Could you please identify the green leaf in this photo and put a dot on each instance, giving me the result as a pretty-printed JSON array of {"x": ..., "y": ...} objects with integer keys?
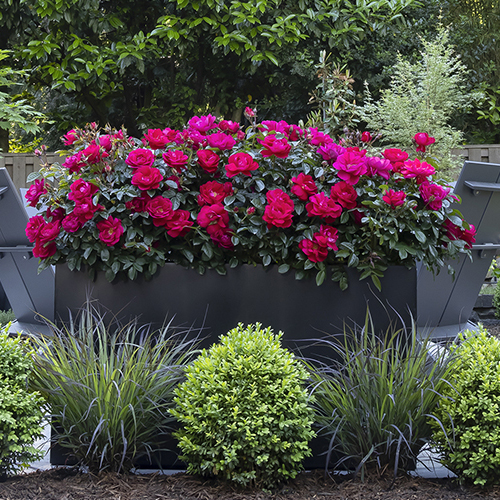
[
  {"x": 105, "y": 255},
  {"x": 284, "y": 268},
  {"x": 320, "y": 277},
  {"x": 376, "y": 282}
]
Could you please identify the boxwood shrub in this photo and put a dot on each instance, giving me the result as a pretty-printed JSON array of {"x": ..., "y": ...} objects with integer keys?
[
  {"x": 21, "y": 412},
  {"x": 243, "y": 410},
  {"x": 467, "y": 425}
]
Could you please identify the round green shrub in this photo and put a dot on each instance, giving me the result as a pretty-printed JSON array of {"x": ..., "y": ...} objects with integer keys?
[
  {"x": 467, "y": 422},
  {"x": 243, "y": 410},
  {"x": 496, "y": 299},
  {"x": 20, "y": 410}
]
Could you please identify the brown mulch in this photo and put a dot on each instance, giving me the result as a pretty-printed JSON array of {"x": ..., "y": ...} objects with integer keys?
[{"x": 64, "y": 484}]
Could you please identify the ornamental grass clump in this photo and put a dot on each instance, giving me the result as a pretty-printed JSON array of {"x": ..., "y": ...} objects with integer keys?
[
  {"x": 373, "y": 395},
  {"x": 212, "y": 195},
  {"x": 109, "y": 388},
  {"x": 466, "y": 423},
  {"x": 21, "y": 414},
  {"x": 243, "y": 410}
]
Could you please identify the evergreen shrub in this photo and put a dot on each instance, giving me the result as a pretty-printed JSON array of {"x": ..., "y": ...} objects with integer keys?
[
  {"x": 243, "y": 410},
  {"x": 21, "y": 412},
  {"x": 467, "y": 425}
]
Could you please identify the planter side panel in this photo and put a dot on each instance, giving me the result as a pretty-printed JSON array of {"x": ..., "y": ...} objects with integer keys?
[{"x": 246, "y": 294}]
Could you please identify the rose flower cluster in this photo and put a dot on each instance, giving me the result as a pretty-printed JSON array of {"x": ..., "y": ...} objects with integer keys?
[{"x": 212, "y": 195}]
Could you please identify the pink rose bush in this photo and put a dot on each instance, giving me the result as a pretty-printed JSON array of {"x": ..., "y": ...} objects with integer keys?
[{"x": 213, "y": 196}]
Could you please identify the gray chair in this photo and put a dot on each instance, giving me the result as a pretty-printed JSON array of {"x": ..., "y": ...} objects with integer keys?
[
  {"x": 31, "y": 295},
  {"x": 444, "y": 304}
]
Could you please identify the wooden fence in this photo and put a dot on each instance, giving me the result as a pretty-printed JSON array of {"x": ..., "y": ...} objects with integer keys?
[{"x": 20, "y": 165}]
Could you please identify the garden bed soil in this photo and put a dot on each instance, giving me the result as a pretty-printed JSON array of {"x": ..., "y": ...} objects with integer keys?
[{"x": 67, "y": 484}]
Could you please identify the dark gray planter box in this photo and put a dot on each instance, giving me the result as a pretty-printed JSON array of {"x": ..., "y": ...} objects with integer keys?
[{"x": 301, "y": 309}]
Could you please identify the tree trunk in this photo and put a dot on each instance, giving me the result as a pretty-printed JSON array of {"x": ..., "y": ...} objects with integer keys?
[{"x": 4, "y": 140}]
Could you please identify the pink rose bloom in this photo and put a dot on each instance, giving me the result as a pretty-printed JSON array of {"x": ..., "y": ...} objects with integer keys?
[
  {"x": 70, "y": 137},
  {"x": 222, "y": 238},
  {"x": 278, "y": 214},
  {"x": 277, "y": 195},
  {"x": 81, "y": 189},
  {"x": 194, "y": 139},
  {"x": 49, "y": 232},
  {"x": 93, "y": 154},
  {"x": 214, "y": 192},
  {"x": 110, "y": 231},
  {"x": 74, "y": 163},
  {"x": 160, "y": 209},
  {"x": 138, "y": 204},
  {"x": 378, "y": 166},
  {"x": 275, "y": 147},
  {"x": 179, "y": 223},
  {"x": 240, "y": 163},
  {"x": 423, "y": 139},
  {"x": 366, "y": 137},
  {"x": 303, "y": 186},
  {"x": 454, "y": 232},
  {"x": 249, "y": 112},
  {"x": 317, "y": 138},
  {"x": 35, "y": 191},
  {"x": 331, "y": 236},
  {"x": 84, "y": 209},
  {"x": 202, "y": 123},
  {"x": 140, "y": 158},
  {"x": 105, "y": 141},
  {"x": 316, "y": 249},
  {"x": 330, "y": 152},
  {"x": 322, "y": 206},
  {"x": 269, "y": 126},
  {"x": 229, "y": 126},
  {"x": 213, "y": 217},
  {"x": 344, "y": 194},
  {"x": 396, "y": 157},
  {"x": 147, "y": 178},
  {"x": 71, "y": 223},
  {"x": 208, "y": 160},
  {"x": 34, "y": 226},
  {"x": 295, "y": 133},
  {"x": 44, "y": 250},
  {"x": 221, "y": 141},
  {"x": 172, "y": 135},
  {"x": 56, "y": 214},
  {"x": 394, "y": 198},
  {"x": 175, "y": 159},
  {"x": 417, "y": 169},
  {"x": 433, "y": 194},
  {"x": 156, "y": 138},
  {"x": 351, "y": 166}
]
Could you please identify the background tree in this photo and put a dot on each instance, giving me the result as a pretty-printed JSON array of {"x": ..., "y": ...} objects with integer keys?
[
  {"x": 14, "y": 110},
  {"x": 146, "y": 63}
]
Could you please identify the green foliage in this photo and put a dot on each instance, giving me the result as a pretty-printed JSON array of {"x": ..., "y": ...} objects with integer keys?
[
  {"x": 20, "y": 409},
  {"x": 243, "y": 410},
  {"x": 134, "y": 61},
  {"x": 6, "y": 317},
  {"x": 14, "y": 110},
  {"x": 335, "y": 98},
  {"x": 373, "y": 393},
  {"x": 109, "y": 388},
  {"x": 466, "y": 429},
  {"x": 496, "y": 300},
  {"x": 423, "y": 97}
]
